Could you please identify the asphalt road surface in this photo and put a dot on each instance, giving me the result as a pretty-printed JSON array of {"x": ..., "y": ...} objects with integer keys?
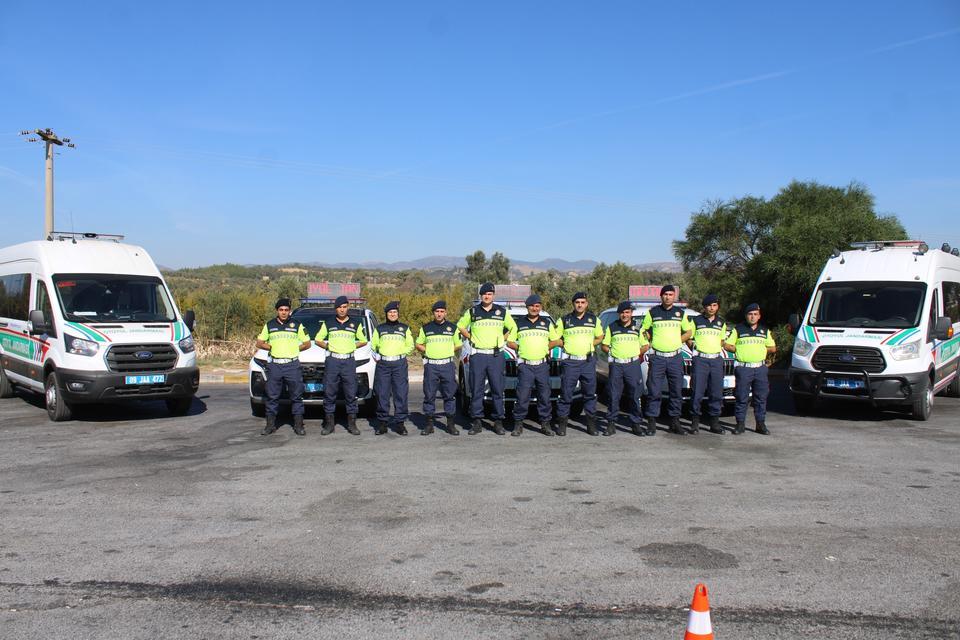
[{"x": 127, "y": 523}]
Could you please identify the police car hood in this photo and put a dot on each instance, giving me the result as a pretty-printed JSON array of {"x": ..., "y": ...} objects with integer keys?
[{"x": 316, "y": 355}]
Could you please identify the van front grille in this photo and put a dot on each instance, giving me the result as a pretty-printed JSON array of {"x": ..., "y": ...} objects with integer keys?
[{"x": 133, "y": 358}]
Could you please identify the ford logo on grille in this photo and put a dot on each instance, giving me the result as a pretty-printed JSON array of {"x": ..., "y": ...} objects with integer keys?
[
  {"x": 143, "y": 355},
  {"x": 847, "y": 357}
]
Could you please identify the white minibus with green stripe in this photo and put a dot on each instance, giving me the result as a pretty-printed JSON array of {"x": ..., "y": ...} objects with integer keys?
[
  {"x": 86, "y": 319},
  {"x": 882, "y": 327}
]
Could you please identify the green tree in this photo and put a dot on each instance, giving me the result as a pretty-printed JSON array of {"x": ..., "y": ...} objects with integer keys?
[
  {"x": 476, "y": 266},
  {"x": 498, "y": 269}
]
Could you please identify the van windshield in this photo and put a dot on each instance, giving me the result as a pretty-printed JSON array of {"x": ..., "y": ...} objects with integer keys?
[
  {"x": 113, "y": 298},
  {"x": 890, "y": 305}
]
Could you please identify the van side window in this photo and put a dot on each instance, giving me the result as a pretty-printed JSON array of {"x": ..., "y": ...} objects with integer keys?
[
  {"x": 951, "y": 301},
  {"x": 43, "y": 303},
  {"x": 934, "y": 313},
  {"x": 15, "y": 296}
]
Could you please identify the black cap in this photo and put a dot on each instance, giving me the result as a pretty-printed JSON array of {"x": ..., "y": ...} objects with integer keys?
[
  {"x": 710, "y": 298},
  {"x": 623, "y": 306},
  {"x": 390, "y": 306},
  {"x": 282, "y": 302},
  {"x": 486, "y": 287},
  {"x": 533, "y": 299},
  {"x": 579, "y": 295},
  {"x": 439, "y": 304},
  {"x": 753, "y": 306},
  {"x": 341, "y": 300},
  {"x": 667, "y": 288}
]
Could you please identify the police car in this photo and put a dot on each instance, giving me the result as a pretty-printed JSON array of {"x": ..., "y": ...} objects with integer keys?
[
  {"x": 512, "y": 298},
  {"x": 643, "y": 298},
  {"x": 318, "y": 307}
]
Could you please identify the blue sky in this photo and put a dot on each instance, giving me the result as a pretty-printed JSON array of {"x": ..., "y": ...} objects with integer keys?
[{"x": 350, "y": 131}]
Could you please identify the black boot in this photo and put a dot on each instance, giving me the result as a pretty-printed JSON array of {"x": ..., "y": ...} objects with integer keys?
[
  {"x": 401, "y": 429},
  {"x": 452, "y": 425},
  {"x": 762, "y": 429},
  {"x": 517, "y": 428},
  {"x": 562, "y": 426},
  {"x": 675, "y": 427},
  {"x": 352, "y": 425},
  {"x": 740, "y": 428},
  {"x": 381, "y": 428},
  {"x": 546, "y": 428},
  {"x": 271, "y": 425},
  {"x": 591, "y": 426},
  {"x": 498, "y": 427},
  {"x": 637, "y": 429},
  {"x": 715, "y": 425},
  {"x": 611, "y": 428},
  {"x": 651, "y": 426},
  {"x": 327, "y": 425},
  {"x": 476, "y": 426},
  {"x": 428, "y": 427},
  {"x": 694, "y": 425},
  {"x": 298, "y": 426}
]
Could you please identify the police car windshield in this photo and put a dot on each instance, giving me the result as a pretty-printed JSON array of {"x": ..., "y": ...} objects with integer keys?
[
  {"x": 890, "y": 305},
  {"x": 311, "y": 317},
  {"x": 113, "y": 298}
]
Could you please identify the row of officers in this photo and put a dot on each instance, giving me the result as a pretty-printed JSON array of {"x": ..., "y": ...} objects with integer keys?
[{"x": 489, "y": 327}]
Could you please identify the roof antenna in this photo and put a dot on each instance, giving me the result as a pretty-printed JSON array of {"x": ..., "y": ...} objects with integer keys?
[{"x": 72, "y": 230}]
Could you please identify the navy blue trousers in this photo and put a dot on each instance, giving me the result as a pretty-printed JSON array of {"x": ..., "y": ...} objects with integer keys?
[
  {"x": 669, "y": 370},
  {"x": 751, "y": 379},
  {"x": 442, "y": 378},
  {"x": 572, "y": 371},
  {"x": 530, "y": 377},
  {"x": 391, "y": 380},
  {"x": 706, "y": 379},
  {"x": 339, "y": 374},
  {"x": 624, "y": 378},
  {"x": 277, "y": 374},
  {"x": 491, "y": 368}
]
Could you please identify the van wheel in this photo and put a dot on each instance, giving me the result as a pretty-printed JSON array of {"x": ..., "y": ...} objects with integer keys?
[
  {"x": 179, "y": 406},
  {"x": 58, "y": 409},
  {"x": 258, "y": 409},
  {"x": 803, "y": 405},
  {"x": 6, "y": 388},
  {"x": 923, "y": 403}
]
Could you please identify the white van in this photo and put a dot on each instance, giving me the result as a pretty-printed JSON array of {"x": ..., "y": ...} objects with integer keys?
[
  {"x": 85, "y": 318},
  {"x": 882, "y": 327}
]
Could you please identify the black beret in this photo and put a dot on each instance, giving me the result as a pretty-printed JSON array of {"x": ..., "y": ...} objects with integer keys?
[
  {"x": 390, "y": 306},
  {"x": 533, "y": 299},
  {"x": 710, "y": 298},
  {"x": 439, "y": 304},
  {"x": 579, "y": 295},
  {"x": 623, "y": 306},
  {"x": 753, "y": 306},
  {"x": 282, "y": 302},
  {"x": 340, "y": 301},
  {"x": 667, "y": 288},
  {"x": 486, "y": 287}
]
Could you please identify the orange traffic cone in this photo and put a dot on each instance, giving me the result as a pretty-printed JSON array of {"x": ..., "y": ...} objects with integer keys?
[{"x": 698, "y": 625}]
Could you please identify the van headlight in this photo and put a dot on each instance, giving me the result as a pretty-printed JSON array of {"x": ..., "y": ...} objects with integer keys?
[
  {"x": 187, "y": 345},
  {"x": 802, "y": 348},
  {"x": 906, "y": 351},
  {"x": 81, "y": 347}
]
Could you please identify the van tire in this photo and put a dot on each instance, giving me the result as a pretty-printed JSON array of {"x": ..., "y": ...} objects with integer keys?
[
  {"x": 179, "y": 406},
  {"x": 922, "y": 404},
  {"x": 803, "y": 405},
  {"x": 58, "y": 409},
  {"x": 6, "y": 387}
]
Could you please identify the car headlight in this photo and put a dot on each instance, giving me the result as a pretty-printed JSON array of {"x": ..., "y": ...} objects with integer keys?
[
  {"x": 906, "y": 351},
  {"x": 81, "y": 347},
  {"x": 802, "y": 348},
  {"x": 187, "y": 345}
]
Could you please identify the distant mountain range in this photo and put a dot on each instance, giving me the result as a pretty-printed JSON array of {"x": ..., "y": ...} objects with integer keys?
[{"x": 524, "y": 267}]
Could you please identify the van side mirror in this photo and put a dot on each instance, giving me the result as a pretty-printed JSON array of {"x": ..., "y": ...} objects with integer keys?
[
  {"x": 189, "y": 318},
  {"x": 793, "y": 323},
  {"x": 38, "y": 322},
  {"x": 942, "y": 328}
]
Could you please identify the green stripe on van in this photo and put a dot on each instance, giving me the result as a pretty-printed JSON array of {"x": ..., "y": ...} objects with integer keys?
[
  {"x": 908, "y": 333},
  {"x": 85, "y": 331}
]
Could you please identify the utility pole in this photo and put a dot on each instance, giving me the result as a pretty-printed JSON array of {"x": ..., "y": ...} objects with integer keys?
[{"x": 50, "y": 139}]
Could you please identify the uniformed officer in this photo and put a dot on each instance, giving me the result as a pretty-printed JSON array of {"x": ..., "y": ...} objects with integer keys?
[
  {"x": 392, "y": 342},
  {"x": 438, "y": 342},
  {"x": 581, "y": 332},
  {"x": 485, "y": 326},
  {"x": 751, "y": 343},
  {"x": 284, "y": 339},
  {"x": 341, "y": 338},
  {"x": 626, "y": 344},
  {"x": 532, "y": 339},
  {"x": 706, "y": 374},
  {"x": 669, "y": 327}
]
